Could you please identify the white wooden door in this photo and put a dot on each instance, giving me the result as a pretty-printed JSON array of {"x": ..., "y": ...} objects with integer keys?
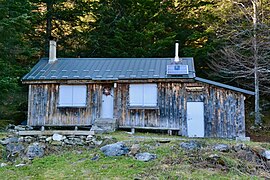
[
  {"x": 195, "y": 119},
  {"x": 107, "y": 105}
]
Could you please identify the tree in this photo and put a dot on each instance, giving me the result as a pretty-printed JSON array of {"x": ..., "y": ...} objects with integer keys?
[
  {"x": 146, "y": 28},
  {"x": 15, "y": 24},
  {"x": 90, "y": 28},
  {"x": 244, "y": 56}
]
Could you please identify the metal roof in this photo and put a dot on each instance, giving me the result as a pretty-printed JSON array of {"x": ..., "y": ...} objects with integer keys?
[
  {"x": 114, "y": 69},
  {"x": 106, "y": 69},
  {"x": 224, "y": 86}
]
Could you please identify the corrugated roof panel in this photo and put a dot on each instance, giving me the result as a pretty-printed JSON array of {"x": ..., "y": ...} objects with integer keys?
[
  {"x": 85, "y": 68},
  {"x": 121, "y": 76}
]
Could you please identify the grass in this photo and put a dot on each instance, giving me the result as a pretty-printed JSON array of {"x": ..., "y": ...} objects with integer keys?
[{"x": 172, "y": 162}]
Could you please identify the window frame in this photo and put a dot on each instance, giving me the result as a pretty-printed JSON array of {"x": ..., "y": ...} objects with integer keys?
[
  {"x": 143, "y": 102},
  {"x": 73, "y": 91}
]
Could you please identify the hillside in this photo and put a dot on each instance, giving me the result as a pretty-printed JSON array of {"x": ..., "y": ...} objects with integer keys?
[{"x": 176, "y": 158}]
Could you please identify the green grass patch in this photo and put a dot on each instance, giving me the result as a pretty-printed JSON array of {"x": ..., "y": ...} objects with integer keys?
[
  {"x": 76, "y": 166},
  {"x": 172, "y": 162}
]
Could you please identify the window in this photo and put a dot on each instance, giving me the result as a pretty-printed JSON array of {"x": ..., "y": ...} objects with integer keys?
[
  {"x": 72, "y": 96},
  {"x": 143, "y": 95}
]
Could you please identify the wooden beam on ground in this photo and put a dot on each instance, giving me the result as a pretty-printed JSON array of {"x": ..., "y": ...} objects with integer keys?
[
  {"x": 148, "y": 128},
  {"x": 51, "y": 132}
]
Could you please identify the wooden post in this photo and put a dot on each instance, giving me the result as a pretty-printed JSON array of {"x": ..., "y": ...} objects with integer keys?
[{"x": 132, "y": 130}]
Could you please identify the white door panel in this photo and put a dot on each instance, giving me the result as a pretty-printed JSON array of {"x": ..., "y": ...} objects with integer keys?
[
  {"x": 195, "y": 119},
  {"x": 107, "y": 105}
]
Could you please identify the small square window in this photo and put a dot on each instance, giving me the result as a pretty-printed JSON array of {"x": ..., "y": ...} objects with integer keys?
[{"x": 72, "y": 96}]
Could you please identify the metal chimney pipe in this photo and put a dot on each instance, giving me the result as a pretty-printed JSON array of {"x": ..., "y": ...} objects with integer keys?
[
  {"x": 52, "y": 51},
  {"x": 176, "y": 58}
]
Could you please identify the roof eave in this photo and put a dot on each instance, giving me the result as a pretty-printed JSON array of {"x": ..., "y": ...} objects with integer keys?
[{"x": 224, "y": 86}]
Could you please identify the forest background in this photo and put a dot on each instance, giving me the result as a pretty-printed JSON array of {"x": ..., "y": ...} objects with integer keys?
[{"x": 229, "y": 40}]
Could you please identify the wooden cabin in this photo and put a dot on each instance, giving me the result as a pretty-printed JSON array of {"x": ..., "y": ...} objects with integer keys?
[{"x": 136, "y": 93}]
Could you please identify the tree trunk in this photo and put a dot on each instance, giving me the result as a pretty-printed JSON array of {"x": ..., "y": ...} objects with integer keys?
[
  {"x": 49, "y": 5},
  {"x": 255, "y": 55}
]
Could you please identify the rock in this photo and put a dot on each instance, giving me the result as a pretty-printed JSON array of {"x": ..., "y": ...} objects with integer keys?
[
  {"x": 20, "y": 165},
  {"x": 242, "y": 138},
  {"x": 58, "y": 137},
  {"x": 221, "y": 147},
  {"x": 13, "y": 149},
  {"x": 3, "y": 164},
  {"x": 34, "y": 150},
  {"x": 191, "y": 145},
  {"x": 214, "y": 156},
  {"x": 116, "y": 149},
  {"x": 83, "y": 138},
  {"x": 92, "y": 132},
  {"x": 21, "y": 139},
  {"x": 97, "y": 143},
  {"x": 266, "y": 154},
  {"x": 56, "y": 143},
  {"x": 69, "y": 142},
  {"x": 81, "y": 143},
  {"x": 29, "y": 127},
  {"x": 239, "y": 147},
  {"x": 89, "y": 137},
  {"x": 48, "y": 139},
  {"x": 10, "y": 126},
  {"x": 28, "y": 139},
  {"x": 108, "y": 140},
  {"x": 20, "y": 128},
  {"x": 145, "y": 156},
  {"x": 134, "y": 149},
  {"x": 95, "y": 158},
  {"x": 9, "y": 140},
  {"x": 42, "y": 137}
]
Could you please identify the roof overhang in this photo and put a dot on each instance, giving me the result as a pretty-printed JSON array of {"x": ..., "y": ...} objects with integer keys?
[{"x": 224, "y": 86}]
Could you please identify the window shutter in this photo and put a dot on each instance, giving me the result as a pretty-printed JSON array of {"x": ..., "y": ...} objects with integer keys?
[
  {"x": 65, "y": 95},
  {"x": 136, "y": 95},
  {"x": 79, "y": 95},
  {"x": 150, "y": 95}
]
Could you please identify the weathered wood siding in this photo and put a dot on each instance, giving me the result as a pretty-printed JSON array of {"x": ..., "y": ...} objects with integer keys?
[
  {"x": 223, "y": 109},
  {"x": 43, "y": 106},
  {"x": 166, "y": 116}
]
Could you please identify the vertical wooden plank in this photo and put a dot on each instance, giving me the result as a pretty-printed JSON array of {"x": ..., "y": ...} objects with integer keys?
[
  {"x": 30, "y": 101},
  {"x": 184, "y": 110}
]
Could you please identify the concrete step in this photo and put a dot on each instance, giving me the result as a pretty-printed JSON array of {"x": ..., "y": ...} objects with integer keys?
[{"x": 103, "y": 125}]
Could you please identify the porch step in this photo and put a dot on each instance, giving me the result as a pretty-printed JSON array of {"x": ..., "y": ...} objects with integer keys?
[{"x": 104, "y": 125}]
